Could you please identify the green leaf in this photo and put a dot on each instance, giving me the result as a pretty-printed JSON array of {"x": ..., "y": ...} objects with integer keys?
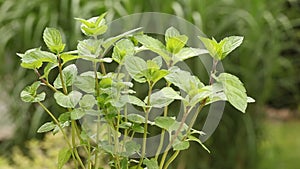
[
  {"x": 34, "y": 58},
  {"x": 63, "y": 157},
  {"x": 193, "y": 138},
  {"x": 135, "y": 67},
  {"x": 122, "y": 49},
  {"x": 164, "y": 97},
  {"x": 94, "y": 26},
  {"x": 87, "y": 101},
  {"x": 48, "y": 126},
  {"x": 53, "y": 40},
  {"x": 69, "y": 74},
  {"x": 151, "y": 164},
  {"x": 29, "y": 94},
  {"x": 183, "y": 145},
  {"x": 186, "y": 53},
  {"x": 110, "y": 41},
  {"x": 67, "y": 101},
  {"x": 132, "y": 100},
  {"x": 184, "y": 80},
  {"x": 77, "y": 114},
  {"x": 90, "y": 48},
  {"x": 131, "y": 148},
  {"x": 85, "y": 83},
  {"x": 165, "y": 122},
  {"x": 174, "y": 41},
  {"x": 220, "y": 50},
  {"x": 234, "y": 91},
  {"x": 136, "y": 118},
  {"x": 47, "y": 70},
  {"x": 154, "y": 45},
  {"x": 137, "y": 128},
  {"x": 68, "y": 57}
]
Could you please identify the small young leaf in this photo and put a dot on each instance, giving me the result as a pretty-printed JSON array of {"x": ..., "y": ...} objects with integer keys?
[
  {"x": 53, "y": 40},
  {"x": 151, "y": 164},
  {"x": 67, "y": 101},
  {"x": 164, "y": 97},
  {"x": 29, "y": 93},
  {"x": 234, "y": 91},
  {"x": 48, "y": 126},
  {"x": 231, "y": 43},
  {"x": 174, "y": 41},
  {"x": 94, "y": 26},
  {"x": 63, "y": 157},
  {"x": 77, "y": 114},
  {"x": 47, "y": 70},
  {"x": 69, "y": 76},
  {"x": 68, "y": 57}
]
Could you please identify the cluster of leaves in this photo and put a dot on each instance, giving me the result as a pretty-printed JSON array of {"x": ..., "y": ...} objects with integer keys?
[{"x": 104, "y": 96}]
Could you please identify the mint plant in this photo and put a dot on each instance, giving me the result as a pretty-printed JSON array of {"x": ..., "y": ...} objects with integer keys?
[{"x": 105, "y": 96}]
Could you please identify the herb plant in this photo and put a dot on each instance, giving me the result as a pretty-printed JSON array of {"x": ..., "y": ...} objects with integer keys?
[{"x": 105, "y": 95}]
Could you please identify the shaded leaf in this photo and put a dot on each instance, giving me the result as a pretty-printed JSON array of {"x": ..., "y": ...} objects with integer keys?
[
  {"x": 122, "y": 49},
  {"x": 164, "y": 97},
  {"x": 77, "y": 114},
  {"x": 183, "y": 145},
  {"x": 151, "y": 164}
]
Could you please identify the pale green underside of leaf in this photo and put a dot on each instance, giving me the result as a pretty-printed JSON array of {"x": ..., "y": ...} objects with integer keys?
[{"x": 67, "y": 101}]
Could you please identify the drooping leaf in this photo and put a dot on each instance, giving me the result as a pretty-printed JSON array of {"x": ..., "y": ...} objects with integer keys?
[
  {"x": 122, "y": 49},
  {"x": 68, "y": 101},
  {"x": 69, "y": 74},
  {"x": 53, "y": 40},
  {"x": 164, "y": 97},
  {"x": 135, "y": 67},
  {"x": 154, "y": 45},
  {"x": 48, "y": 126},
  {"x": 151, "y": 164},
  {"x": 234, "y": 91},
  {"x": 193, "y": 138},
  {"x": 63, "y": 157},
  {"x": 29, "y": 94}
]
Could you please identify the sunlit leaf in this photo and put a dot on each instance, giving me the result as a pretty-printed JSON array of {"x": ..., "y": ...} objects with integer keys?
[
  {"x": 48, "y": 126},
  {"x": 69, "y": 74},
  {"x": 68, "y": 101},
  {"x": 53, "y": 40}
]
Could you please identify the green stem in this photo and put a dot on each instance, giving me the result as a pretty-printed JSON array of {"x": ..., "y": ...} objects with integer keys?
[
  {"x": 171, "y": 159},
  {"x": 61, "y": 75},
  {"x": 45, "y": 81},
  {"x": 74, "y": 144}
]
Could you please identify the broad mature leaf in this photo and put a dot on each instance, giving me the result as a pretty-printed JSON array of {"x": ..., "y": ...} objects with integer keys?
[
  {"x": 122, "y": 49},
  {"x": 183, "y": 79},
  {"x": 131, "y": 147},
  {"x": 87, "y": 101},
  {"x": 68, "y": 101},
  {"x": 48, "y": 126},
  {"x": 151, "y": 164},
  {"x": 53, "y": 40},
  {"x": 29, "y": 94},
  {"x": 166, "y": 123},
  {"x": 90, "y": 48},
  {"x": 234, "y": 91},
  {"x": 110, "y": 41},
  {"x": 136, "y": 118},
  {"x": 85, "y": 83},
  {"x": 183, "y": 145},
  {"x": 220, "y": 50},
  {"x": 186, "y": 53},
  {"x": 135, "y": 67},
  {"x": 63, "y": 157},
  {"x": 164, "y": 97},
  {"x": 77, "y": 114},
  {"x": 132, "y": 100},
  {"x": 94, "y": 26},
  {"x": 34, "y": 58},
  {"x": 154, "y": 45},
  {"x": 69, "y": 74}
]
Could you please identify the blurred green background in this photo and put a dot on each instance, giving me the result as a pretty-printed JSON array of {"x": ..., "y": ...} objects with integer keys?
[{"x": 268, "y": 62}]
